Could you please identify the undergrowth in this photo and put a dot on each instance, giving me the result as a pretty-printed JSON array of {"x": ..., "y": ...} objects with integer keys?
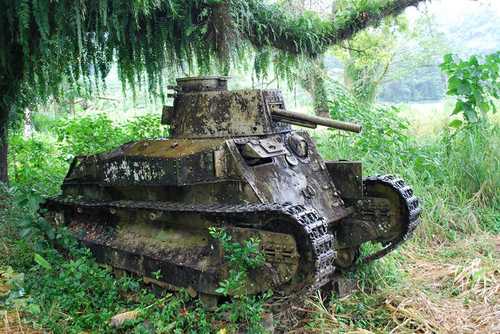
[
  {"x": 454, "y": 172},
  {"x": 62, "y": 289}
]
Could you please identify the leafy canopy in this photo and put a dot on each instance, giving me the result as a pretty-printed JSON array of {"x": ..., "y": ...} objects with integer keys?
[{"x": 45, "y": 42}]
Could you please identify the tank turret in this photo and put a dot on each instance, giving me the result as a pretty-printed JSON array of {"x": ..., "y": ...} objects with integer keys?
[
  {"x": 232, "y": 161},
  {"x": 204, "y": 107}
]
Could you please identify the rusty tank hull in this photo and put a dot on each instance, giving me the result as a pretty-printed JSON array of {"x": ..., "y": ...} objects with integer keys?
[{"x": 232, "y": 161}]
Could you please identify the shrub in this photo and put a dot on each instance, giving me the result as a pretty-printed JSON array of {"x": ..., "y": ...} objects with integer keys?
[
  {"x": 88, "y": 135},
  {"x": 454, "y": 172},
  {"x": 475, "y": 82}
]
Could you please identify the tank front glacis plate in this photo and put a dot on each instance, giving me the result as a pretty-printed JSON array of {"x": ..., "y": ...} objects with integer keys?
[
  {"x": 171, "y": 148},
  {"x": 287, "y": 176}
]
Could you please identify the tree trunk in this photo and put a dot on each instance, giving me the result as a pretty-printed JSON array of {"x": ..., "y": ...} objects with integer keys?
[
  {"x": 11, "y": 73},
  {"x": 4, "y": 144},
  {"x": 313, "y": 82}
]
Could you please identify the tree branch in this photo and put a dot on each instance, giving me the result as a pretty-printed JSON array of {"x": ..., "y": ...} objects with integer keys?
[{"x": 308, "y": 34}]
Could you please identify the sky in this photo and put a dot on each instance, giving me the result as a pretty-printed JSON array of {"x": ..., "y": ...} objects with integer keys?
[
  {"x": 453, "y": 17},
  {"x": 457, "y": 8}
]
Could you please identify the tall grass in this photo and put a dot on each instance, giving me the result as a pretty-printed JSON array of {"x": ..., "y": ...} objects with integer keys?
[{"x": 455, "y": 174}]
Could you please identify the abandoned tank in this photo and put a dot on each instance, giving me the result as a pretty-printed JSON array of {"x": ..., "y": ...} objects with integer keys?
[{"x": 233, "y": 161}]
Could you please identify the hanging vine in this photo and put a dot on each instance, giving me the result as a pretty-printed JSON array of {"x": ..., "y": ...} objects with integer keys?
[{"x": 44, "y": 42}]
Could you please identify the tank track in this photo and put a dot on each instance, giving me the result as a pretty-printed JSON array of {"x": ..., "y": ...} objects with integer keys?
[
  {"x": 313, "y": 227},
  {"x": 413, "y": 209},
  {"x": 323, "y": 250}
]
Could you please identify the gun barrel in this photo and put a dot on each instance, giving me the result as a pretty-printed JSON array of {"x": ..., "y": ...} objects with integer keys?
[{"x": 312, "y": 121}]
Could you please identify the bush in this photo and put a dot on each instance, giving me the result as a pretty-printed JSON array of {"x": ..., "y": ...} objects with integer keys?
[
  {"x": 35, "y": 164},
  {"x": 454, "y": 173},
  {"x": 88, "y": 135},
  {"x": 145, "y": 127},
  {"x": 476, "y": 84},
  {"x": 384, "y": 134}
]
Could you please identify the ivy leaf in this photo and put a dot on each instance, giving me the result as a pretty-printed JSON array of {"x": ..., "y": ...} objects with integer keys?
[
  {"x": 456, "y": 123},
  {"x": 459, "y": 107},
  {"x": 42, "y": 262}
]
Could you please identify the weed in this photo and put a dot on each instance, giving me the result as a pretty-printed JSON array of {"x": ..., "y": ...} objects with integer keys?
[{"x": 245, "y": 311}]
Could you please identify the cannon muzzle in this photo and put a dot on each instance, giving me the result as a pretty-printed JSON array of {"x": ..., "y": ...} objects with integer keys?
[{"x": 312, "y": 121}]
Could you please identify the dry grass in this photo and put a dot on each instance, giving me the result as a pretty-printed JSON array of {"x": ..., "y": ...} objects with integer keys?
[
  {"x": 449, "y": 298},
  {"x": 422, "y": 313},
  {"x": 11, "y": 323},
  {"x": 460, "y": 294}
]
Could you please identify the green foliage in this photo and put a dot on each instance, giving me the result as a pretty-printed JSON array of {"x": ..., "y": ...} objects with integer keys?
[
  {"x": 145, "y": 127},
  {"x": 476, "y": 84},
  {"x": 241, "y": 258},
  {"x": 35, "y": 165},
  {"x": 76, "y": 287},
  {"x": 383, "y": 135},
  {"x": 244, "y": 311},
  {"x": 454, "y": 173},
  {"x": 94, "y": 134},
  {"x": 88, "y": 135},
  {"x": 381, "y": 274},
  {"x": 48, "y": 45}
]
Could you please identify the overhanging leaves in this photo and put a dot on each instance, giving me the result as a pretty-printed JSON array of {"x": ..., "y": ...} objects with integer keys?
[{"x": 44, "y": 42}]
